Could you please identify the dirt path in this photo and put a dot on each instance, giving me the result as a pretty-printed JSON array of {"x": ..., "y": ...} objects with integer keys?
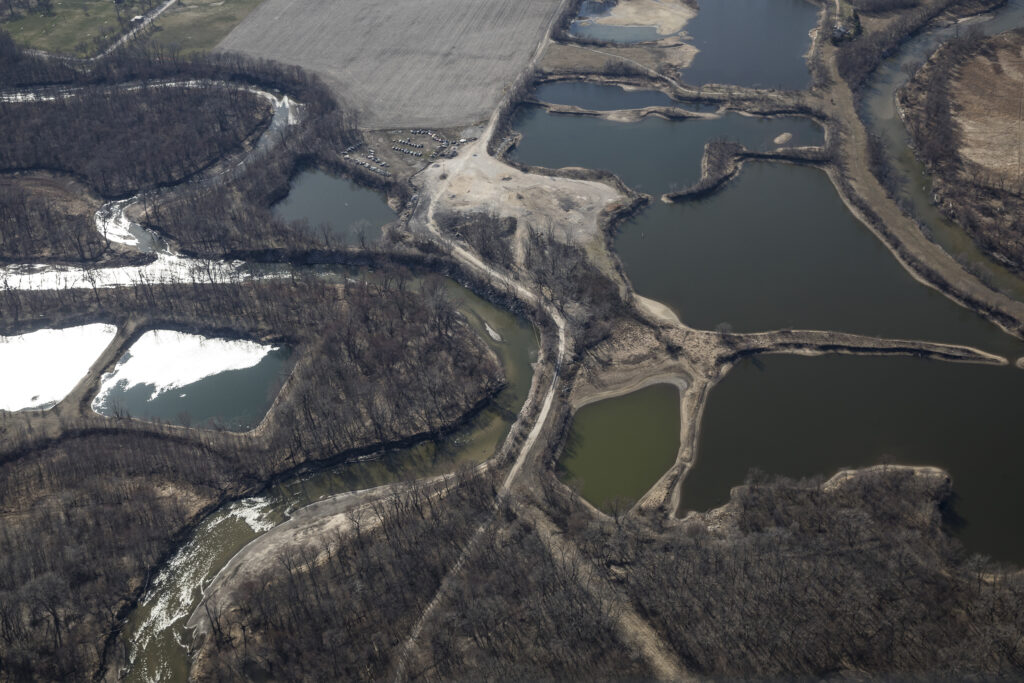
[{"x": 633, "y": 630}]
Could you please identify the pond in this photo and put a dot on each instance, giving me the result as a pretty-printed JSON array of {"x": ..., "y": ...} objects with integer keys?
[
  {"x": 653, "y": 155},
  {"x": 754, "y": 43},
  {"x": 619, "y": 447},
  {"x": 345, "y": 210},
  {"x": 40, "y": 368},
  {"x": 188, "y": 379},
  {"x": 776, "y": 249},
  {"x": 802, "y": 416}
]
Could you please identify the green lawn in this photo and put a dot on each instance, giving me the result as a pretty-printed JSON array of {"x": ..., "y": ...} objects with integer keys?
[{"x": 72, "y": 27}]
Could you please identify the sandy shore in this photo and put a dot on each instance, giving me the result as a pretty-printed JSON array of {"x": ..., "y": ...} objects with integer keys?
[{"x": 667, "y": 17}]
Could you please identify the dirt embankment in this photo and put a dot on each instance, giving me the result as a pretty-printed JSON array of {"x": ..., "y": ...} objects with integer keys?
[{"x": 963, "y": 111}]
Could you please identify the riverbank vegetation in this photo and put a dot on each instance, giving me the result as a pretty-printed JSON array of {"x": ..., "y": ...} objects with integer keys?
[{"x": 962, "y": 116}]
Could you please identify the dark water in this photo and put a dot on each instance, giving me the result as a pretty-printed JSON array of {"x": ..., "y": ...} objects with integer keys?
[
  {"x": 345, "y": 209},
  {"x": 756, "y": 43},
  {"x": 614, "y": 34},
  {"x": 602, "y": 97},
  {"x": 777, "y": 248},
  {"x": 653, "y": 155},
  {"x": 802, "y": 416},
  {"x": 618, "y": 448},
  {"x": 235, "y": 399}
]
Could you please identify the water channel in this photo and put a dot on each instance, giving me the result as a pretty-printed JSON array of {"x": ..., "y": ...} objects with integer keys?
[
  {"x": 879, "y": 111},
  {"x": 155, "y": 630}
]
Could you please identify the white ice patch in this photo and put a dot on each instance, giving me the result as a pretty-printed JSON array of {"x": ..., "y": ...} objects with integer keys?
[
  {"x": 113, "y": 225},
  {"x": 41, "y": 368},
  {"x": 493, "y": 333},
  {"x": 166, "y": 269},
  {"x": 169, "y": 360},
  {"x": 252, "y": 511}
]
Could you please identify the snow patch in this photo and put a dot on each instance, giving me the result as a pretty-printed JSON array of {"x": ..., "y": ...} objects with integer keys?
[
  {"x": 169, "y": 360},
  {"x": 493, "y": 333},
  {"x": 41, "y": 368}
]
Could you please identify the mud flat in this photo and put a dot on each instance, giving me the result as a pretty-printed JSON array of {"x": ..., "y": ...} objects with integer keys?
[{"x": 404, "y": 63}]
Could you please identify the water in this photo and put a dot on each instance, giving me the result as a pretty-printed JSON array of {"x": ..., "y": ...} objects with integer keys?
[
  {"x": 188, "y": 379},
  {"x": 879, "y": 113},
  {"x": 344, "y": 209},
  {"x": 155, "y": 630},
  {"x": 802, "y": 416},
  {"x": 602, "y": 97},
  {"x": 754, "y": 43},
  {"x": 619, "y": 447},
  {"x": 777, "y": 248},
  {"x": 652, "y": 155},
  {"x": 585, "y": 27}
]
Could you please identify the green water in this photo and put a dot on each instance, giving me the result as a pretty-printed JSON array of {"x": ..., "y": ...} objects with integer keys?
[{"x": 619, "y": 447}]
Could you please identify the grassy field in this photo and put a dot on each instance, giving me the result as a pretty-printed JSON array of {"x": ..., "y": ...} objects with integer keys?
[
  {"x": 402, "y": 63},
  {"x": 200, "y": 24},
  {"x": 72, "y": 28}
]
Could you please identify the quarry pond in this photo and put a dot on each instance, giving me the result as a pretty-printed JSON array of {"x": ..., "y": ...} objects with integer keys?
[
  {"x": 814, "y": 416},
  {"x": 347, "y": 211},
  {"x": 188, "y": 379},
  {"x": 620, "y": 446}
]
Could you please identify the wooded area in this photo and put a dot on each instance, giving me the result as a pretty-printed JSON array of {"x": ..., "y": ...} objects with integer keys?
[
  {"x": 87, "y": 517},
  {"x": 122, "y": 140}
]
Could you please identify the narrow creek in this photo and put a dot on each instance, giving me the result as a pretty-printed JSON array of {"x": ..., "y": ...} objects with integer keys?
[
  {"x": 880, "y": 113},
  {"x": 155, "y": 634}
]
